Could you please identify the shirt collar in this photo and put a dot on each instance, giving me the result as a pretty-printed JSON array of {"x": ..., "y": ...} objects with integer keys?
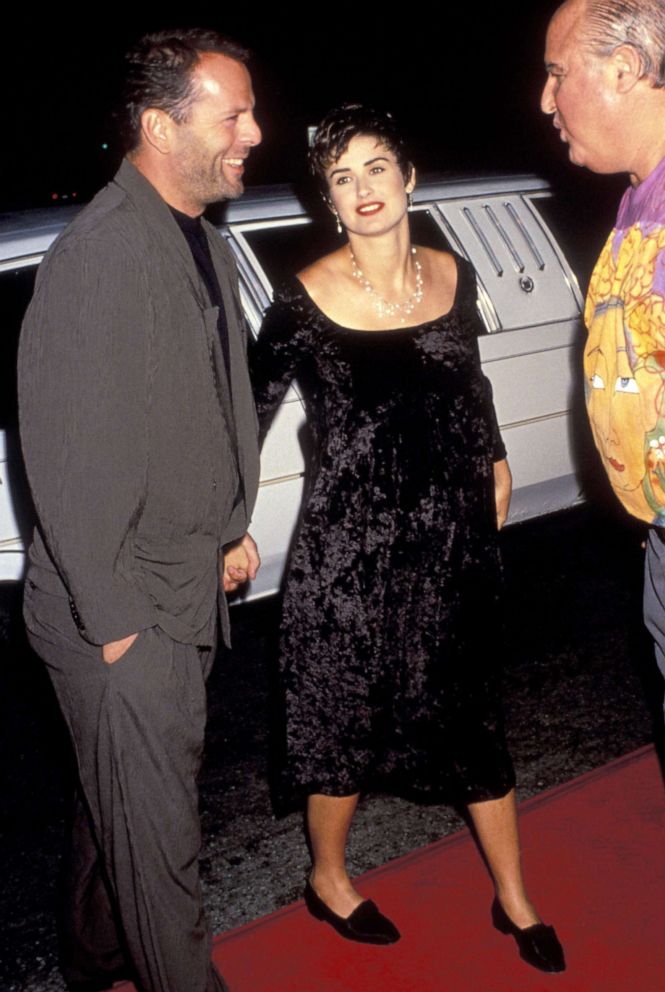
[{"x": 645, "y": 202}]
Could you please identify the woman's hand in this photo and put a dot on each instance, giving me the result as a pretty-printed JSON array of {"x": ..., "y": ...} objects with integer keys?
[
  {"x": 241, "y": 562},
  {"x": 503, "y": 487}
]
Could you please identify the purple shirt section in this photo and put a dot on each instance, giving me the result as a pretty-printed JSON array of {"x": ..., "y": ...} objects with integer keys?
[{"x": 645, "y": 204}]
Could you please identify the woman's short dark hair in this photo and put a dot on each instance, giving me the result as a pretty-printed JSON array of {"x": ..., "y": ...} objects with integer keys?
[
  {"x": 159, "y": 73},
  {"x": 341, "y": 125}
]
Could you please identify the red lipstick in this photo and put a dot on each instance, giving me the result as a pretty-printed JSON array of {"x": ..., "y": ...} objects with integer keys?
[{"x": 369, "y": 209}]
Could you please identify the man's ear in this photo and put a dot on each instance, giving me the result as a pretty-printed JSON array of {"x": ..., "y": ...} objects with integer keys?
[
  {"x": 626, "y": 67},
  {"x": 157, "y": 129}
]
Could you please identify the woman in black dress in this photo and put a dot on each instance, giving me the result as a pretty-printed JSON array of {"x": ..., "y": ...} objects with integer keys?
[{"x": 390, "y": 625}]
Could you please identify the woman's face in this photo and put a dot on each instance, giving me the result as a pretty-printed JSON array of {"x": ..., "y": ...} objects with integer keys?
[{"x": 366, "y": 187}]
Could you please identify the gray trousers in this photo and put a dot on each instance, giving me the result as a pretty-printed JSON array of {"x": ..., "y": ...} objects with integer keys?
[
  {"x": 132, "y": 896},
  {"x": 654, "y": 593}
]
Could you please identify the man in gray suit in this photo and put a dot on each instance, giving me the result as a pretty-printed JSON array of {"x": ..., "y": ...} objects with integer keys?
[{"x": 139, "y": 436}]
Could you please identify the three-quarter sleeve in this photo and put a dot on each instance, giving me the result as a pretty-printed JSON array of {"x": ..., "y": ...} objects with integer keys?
[
  {"x": 475, "y": 329},
  {"x": 276, "y": 356},
  {"x": 498, "y": 447}
]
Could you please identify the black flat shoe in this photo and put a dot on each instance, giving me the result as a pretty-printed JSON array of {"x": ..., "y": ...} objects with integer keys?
[
  {"x": 365, "y": 924},
  {"x": 538, "y": 944}
]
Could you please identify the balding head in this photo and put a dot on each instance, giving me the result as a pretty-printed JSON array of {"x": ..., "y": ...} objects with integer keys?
[
  {"x": 608, "y": 24},
  {"x": 605, "y": 88}
]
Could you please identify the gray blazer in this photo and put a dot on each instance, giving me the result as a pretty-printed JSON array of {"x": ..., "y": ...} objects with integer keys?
[{"x": 141, "y": 461}]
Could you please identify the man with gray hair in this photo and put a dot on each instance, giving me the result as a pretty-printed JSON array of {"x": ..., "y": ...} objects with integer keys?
[
  {"x": 605, "y": 61},
  {"x": 140, "y": 441}
]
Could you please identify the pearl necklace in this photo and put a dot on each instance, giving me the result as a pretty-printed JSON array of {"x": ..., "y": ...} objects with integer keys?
[{"x": 383, "y": 307}]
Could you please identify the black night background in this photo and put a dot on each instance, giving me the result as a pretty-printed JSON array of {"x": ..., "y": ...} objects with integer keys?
[{"x": 463, "y": 81}]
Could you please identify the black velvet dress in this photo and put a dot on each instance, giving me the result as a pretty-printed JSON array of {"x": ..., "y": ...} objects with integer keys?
[{"x": 391, "y": 634}]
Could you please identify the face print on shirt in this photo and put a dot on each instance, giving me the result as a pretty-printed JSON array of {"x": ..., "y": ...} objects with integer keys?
[{"x": 625, "y": 367}]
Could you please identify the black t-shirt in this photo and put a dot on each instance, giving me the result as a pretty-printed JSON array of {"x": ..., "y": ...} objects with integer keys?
[{"x": 192, "y": 228}]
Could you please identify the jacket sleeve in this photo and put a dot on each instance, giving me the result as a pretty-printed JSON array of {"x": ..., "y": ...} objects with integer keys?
[{"x": 83, "y": 395}]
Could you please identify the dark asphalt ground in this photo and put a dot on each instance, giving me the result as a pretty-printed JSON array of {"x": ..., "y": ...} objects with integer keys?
[{"x": 580, "y": 689}]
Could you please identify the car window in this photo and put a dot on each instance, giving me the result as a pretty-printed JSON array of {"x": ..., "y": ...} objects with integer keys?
[
  {"x": 16, "y": 286},
  {"x": 284, "y": 249},
  {"x": 287, "y": 248},
  {"x": 289, "y": 245},
  {"x": 425, "y": 230}
]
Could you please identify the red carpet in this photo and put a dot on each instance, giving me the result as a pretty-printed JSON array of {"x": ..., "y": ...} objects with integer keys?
[{"x": 594, "y": 851}]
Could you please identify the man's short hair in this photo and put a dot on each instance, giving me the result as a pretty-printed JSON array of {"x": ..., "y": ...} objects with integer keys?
[
  {"x": 160, "y": 74},
  {"x": 638, "y": 23}
]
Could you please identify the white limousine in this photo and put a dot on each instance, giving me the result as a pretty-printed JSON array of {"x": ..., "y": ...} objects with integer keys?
[{"x": 529, "y": 300}]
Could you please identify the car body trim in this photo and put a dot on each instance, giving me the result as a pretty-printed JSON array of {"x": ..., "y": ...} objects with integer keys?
[
  {"x": 22, "y": 262},
  {"x": 480, "y": 234},
  {"x": 521, "y": 226},
  {"x": 280, "y": 478},
  {"x": 534, "y": 420},
  {"x": 503, "y": 234}
]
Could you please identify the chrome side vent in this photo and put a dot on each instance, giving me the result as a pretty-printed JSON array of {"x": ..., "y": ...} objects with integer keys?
[
  {"x": 515, "y": 259},
  {"x": 503, "y": 234},
  {"x": 521, "y": 227},
  {"x": 480, "y": 234}
]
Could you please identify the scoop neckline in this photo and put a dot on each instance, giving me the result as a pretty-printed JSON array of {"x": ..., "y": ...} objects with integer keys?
[{"x": 409, "y": 328}]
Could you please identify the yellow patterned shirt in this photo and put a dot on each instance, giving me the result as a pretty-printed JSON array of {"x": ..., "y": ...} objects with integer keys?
[{"x": 624, "y": 359}]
